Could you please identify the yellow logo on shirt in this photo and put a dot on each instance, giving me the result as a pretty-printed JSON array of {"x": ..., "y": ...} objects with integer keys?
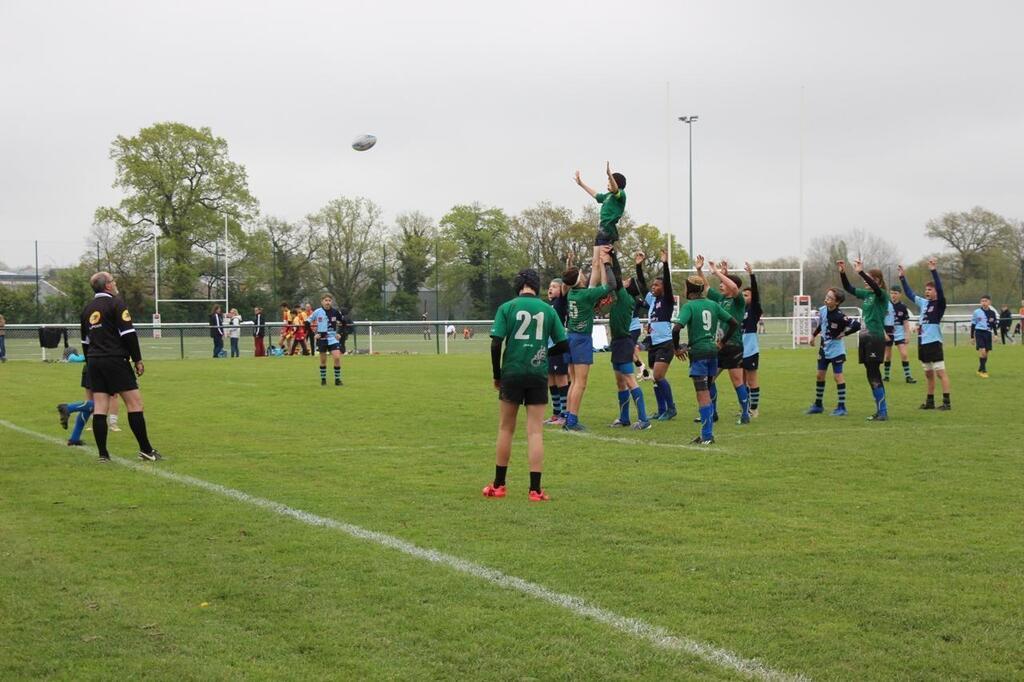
[
  {"x": 125, "y": 316},
  {"x": 94, "y": 318}
]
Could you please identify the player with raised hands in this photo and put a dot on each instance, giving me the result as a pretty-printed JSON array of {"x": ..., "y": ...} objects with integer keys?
[{"x": 871, "y": 346}]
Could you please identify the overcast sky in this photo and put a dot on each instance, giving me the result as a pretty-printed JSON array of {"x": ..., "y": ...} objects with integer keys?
[{"x": 911, "y": 109}]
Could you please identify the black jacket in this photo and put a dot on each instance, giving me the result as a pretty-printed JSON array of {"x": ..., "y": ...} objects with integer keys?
[
  {"x": 216, "y": 326},
  {"x": 259, "y": 329}
]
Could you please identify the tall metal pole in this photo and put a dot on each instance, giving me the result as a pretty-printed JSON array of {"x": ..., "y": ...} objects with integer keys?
[
  {"x": 437, "y": 292},
  {"x": 801, "y": 219},
  {"x": 97, "y": 256},
  {"x": 227, "y": 305},
  {"x": 38, "y": 319},
  {"x": 688, "y": 120},
  {"x": 156, "y": 274},
  {"x": 384, "y": 278}
]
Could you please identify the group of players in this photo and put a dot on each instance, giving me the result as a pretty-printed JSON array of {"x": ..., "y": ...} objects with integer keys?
[{"x": 548, "y": 348}]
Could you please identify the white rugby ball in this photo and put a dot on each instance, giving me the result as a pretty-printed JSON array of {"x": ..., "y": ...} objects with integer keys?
[{"x": 363, "y": 142}]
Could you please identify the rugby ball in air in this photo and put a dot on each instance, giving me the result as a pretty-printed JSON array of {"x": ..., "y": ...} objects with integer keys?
[{"x": 363, "y": 142}]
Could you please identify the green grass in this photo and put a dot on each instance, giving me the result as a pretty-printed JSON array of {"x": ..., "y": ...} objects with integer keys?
[{"x": 832, "y": 548}]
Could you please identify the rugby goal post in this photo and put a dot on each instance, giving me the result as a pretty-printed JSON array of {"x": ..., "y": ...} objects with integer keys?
[{"x": 803, "y": 320}]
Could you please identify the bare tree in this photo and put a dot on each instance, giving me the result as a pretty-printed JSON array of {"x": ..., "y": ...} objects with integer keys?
[{"x": 970, "y": 234}]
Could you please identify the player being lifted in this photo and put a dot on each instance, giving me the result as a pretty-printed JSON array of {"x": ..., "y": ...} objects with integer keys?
[
  {"x": 871, "y": 344},
  {"x": 613, "y": 205},
  {"x": 751, "y": 343},
  {"x": 929, "y": 341},
  {"x": 701, "y": 317},
  {"x": 326, "y": 321},
  {"x": 660, "y": 306},
  {"x": 622, "y": 348},
  {"x": 524, "y": 325},
  {"x": 983, "y": 322},
  {"x": 730, "y": 357},
  {"x": 582, "y": 301},
  {"x": 833, "y": 326},
  {"x": 897, "y": 331}
]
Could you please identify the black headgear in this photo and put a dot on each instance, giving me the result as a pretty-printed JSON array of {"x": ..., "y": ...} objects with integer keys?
[{"x": 527, "y": 278}]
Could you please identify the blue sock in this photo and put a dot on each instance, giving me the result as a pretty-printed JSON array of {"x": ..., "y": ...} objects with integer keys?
[
  {"x": 638, "y": 398},
  {"x": 78, "y": 407},
  {"x": 879, "y": 393},
  {"x": 659, "y": 396},
  {"x": 666, "y": 391},
  {"x": 81, "y": 420},
  {"x": 743, "y": 395},
  {"x": 713, "y": 390},
  {"x": 624, "y": 407},
  {"x": 707, "y": 420}
]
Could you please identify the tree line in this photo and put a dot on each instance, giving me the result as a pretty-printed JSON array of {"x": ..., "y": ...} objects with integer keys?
[{"x": 182, "y": 189}]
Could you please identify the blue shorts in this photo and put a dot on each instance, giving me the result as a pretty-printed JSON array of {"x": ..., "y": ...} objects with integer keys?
[
  {"x": 581, "y": 349},
  {"x": 705, "y": 367},
  {"x": 836, "y": 362}
]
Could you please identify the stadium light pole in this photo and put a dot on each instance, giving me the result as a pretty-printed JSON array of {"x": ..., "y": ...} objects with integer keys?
[{"x": 689, "y": 120}]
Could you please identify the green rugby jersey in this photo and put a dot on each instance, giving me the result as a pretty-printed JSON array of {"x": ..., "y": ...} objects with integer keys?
[
  {"x": 621, "y": 316},
  {"x": 612, "y": 208},
  {"x": 526, "y": 323},
  {"x": 701, "y": 317},
  {"x": 874, "y": 308},
  {"x": 735, "y": 306},
  {"x": 581, "y": 308}
]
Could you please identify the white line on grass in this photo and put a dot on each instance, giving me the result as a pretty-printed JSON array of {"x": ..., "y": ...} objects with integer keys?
[
  {"x": 654, "y": 635},
  {"x": 709, "y": 449}
]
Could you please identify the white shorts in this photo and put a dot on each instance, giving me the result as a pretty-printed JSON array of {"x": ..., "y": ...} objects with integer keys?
[{"x": 933, "y": 366}]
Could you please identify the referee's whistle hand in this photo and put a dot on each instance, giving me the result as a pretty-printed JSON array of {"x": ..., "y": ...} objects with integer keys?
[{"x": 139, "y": 368}]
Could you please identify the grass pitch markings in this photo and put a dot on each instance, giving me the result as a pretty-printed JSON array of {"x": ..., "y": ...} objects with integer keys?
[
  {"x": 709, "y": 449},
  {"x": 653, "y": 635}
]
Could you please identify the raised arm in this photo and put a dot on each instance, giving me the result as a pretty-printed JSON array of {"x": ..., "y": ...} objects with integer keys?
[
  {"x": 611, "y": 178},
  {"x": 905, "y": 284},
  {"x": 729, "y": 287},
  {"x": 844, "y": 279},
  {"x": 755, "y": 295},
  {"x": 698, "y": 265},
  {"x": 666, "y": 277},
  {"x": 641, "y": 283},
  {"x": 940, "y": 295},
  {"x": 586, "y": 188},
  {"x": 868, "y": 279}
]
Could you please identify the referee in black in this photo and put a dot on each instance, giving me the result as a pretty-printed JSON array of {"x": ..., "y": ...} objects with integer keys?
[{"x": 109, "y": 340}]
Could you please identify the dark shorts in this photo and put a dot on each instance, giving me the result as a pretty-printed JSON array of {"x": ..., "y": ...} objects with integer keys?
[
  {"x": 558, "y": 364},
  {"x": 519, "y": 394},
  {"x": 85, "y": 378},
  {"x": 889, "y": 331},
  {"x": 324, "y": 346},
  {"x": 896, "y": 342},
  {"x": 730, "y": 356},
  {"x": 751, "y": 362},
  {"x": 982, "y": 339},
  {"x": 930, "y": 352},
  {"x": 663, "y": 352},
  {"x": 604, "y": 235},
  {"x": 622, "y": 351},
  {"x": 836, "y": 362},
  {"x": 871, "y": 349},
  {"x": 111, "y": 375}
]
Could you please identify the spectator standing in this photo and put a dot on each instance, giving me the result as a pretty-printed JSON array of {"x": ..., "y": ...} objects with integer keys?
[
  {"x": 3, "y": 339},
  {"x": 259, "y": 331},
  {"x": 234, "y": 330},
  {"x": 1005, "y": 321},
  {"x": 217, "y": 331}
]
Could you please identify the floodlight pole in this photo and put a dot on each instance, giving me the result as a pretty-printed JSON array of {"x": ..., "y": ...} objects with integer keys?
[
  {"x": 156, "y": 274},
  {"x": 688, "y": 120},
  {"x": 227, "y": 305}
]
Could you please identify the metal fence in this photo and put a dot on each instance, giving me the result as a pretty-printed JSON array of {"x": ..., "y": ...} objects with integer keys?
[{"x": 187, "y": 341}]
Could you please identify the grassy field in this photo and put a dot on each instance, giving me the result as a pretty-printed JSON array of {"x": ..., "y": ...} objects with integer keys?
[{"x": 822, "y": 547}]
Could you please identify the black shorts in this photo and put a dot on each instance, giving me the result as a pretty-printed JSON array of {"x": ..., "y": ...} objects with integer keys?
[
  {"x": 750, "y": 362},
  {"x": 519, "y": 394},
  {"x": 85, "y": 378},
  {"x": 635, "y": 335},
  {"x": 730, "y": 356},
  {"x": 930, "y": 352},
  {"x": 111, "y": 375},
  {"x": 889, "y": 332},
  {"x": 322, "y": 347},
  {"x": 604, "y": 235},
  {"x": 663, "y": 352},
  {"x": 622, "y": 350},
  {"x": 982, "y": 339},
  {"x": 558, "y": 364},
  {"x": 871, "y": 349}
]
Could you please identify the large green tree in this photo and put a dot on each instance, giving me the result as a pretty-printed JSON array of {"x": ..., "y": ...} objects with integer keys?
[
  {"x": 479, "y": 255},
  {"x": 179, "y": 182},
  {"x": 971, "y": 234},
  {"x": 350, "y": 240}
]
